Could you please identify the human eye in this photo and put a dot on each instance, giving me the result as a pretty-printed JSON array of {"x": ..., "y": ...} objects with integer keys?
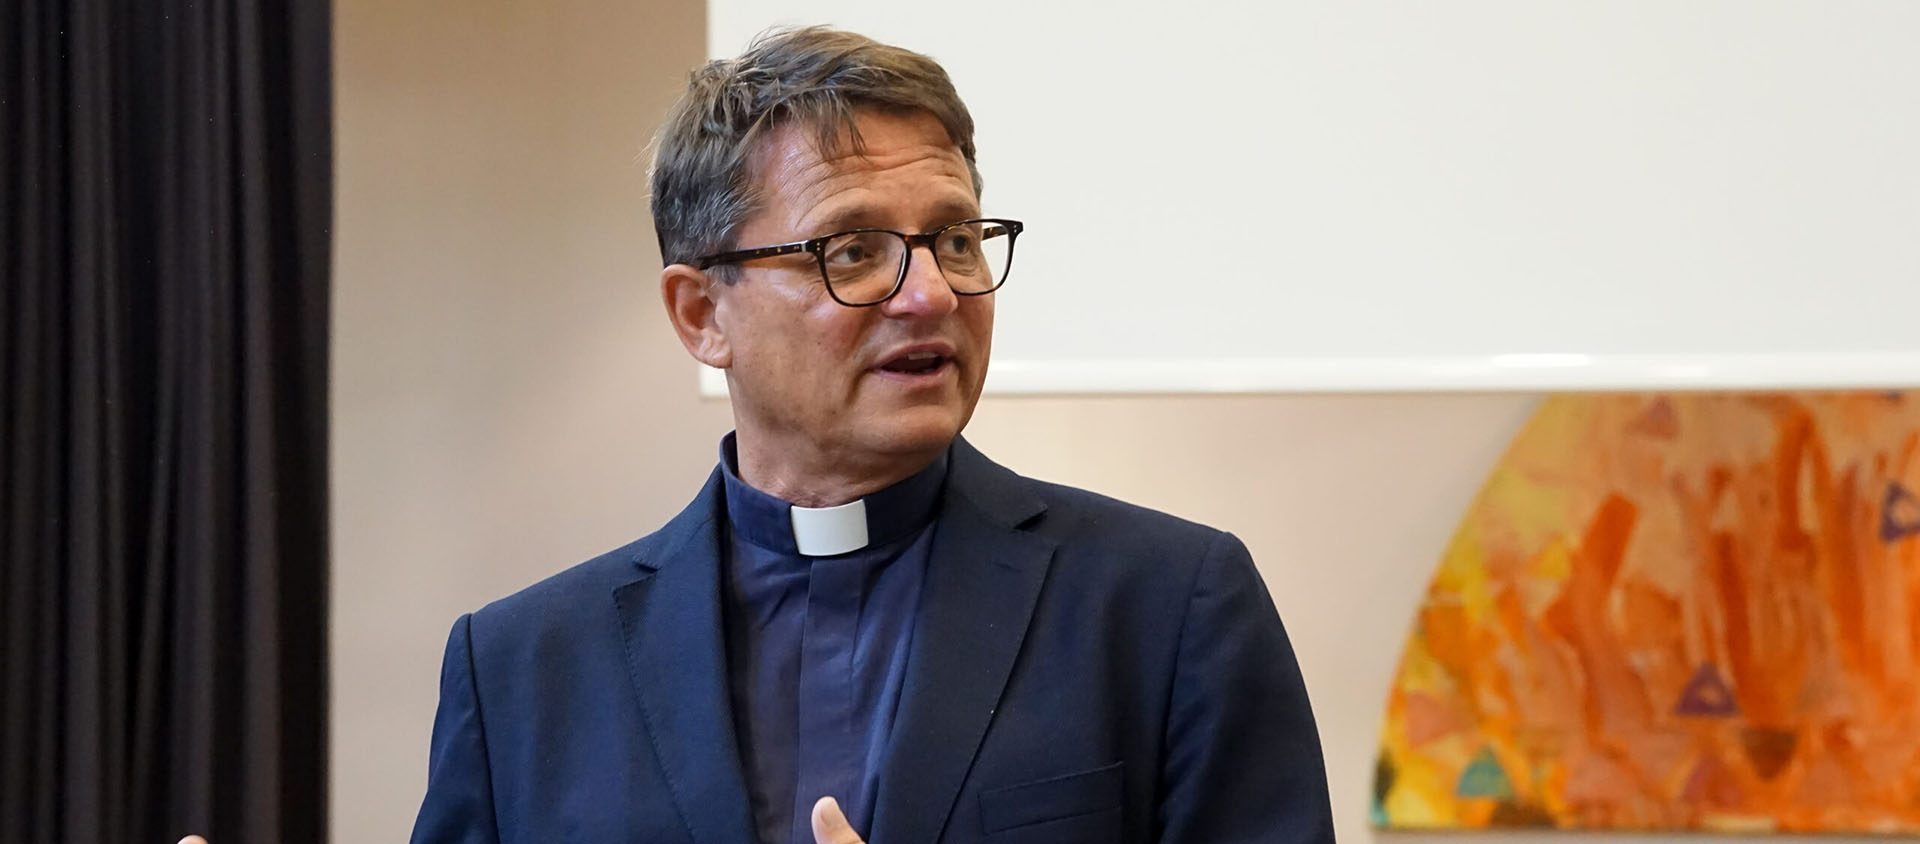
[
  {"x": 960, "y": 241},
  {"x": 851, "y": 250}
]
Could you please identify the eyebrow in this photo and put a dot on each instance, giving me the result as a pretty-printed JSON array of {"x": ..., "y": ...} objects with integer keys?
[{"x": 868, "y": 216}]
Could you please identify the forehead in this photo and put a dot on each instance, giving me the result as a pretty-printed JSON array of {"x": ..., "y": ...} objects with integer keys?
[{"x": 905, "y": 162}]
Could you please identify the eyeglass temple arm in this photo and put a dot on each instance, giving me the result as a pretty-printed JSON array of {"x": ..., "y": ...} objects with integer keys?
[{"x": 751, "y": 254}]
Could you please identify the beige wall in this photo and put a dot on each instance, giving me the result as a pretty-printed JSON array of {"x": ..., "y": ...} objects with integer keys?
[
  {"x": 507, "y": 399},
  {"x": 500, "y": 402}
]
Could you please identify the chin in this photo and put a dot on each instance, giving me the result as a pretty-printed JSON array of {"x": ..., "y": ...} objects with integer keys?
[{"x": 920, "y": 429}]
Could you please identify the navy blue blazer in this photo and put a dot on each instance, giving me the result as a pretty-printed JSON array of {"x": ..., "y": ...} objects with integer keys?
[{"x": 1083, "y": 670}]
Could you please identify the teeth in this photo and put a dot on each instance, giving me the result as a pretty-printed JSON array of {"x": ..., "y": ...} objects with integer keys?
[{"x": 922, "y": 356}]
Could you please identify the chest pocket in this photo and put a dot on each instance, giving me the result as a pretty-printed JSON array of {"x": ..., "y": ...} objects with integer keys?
[{"x": 1075, "y": 807}]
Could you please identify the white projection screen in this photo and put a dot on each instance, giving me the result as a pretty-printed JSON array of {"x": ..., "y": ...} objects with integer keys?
[{"x": 1389, "y": 195}]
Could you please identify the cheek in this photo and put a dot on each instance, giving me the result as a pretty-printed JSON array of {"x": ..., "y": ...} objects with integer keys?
[
  {"x": 803, "y": 336},
  {"x": 979, "y": 320},
  {"x": 839, "y": 332},
  {"x": 773, "y": 347}
]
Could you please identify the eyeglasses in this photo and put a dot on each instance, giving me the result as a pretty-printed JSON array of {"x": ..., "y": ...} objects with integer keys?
[{"x": 865, "y": 267}]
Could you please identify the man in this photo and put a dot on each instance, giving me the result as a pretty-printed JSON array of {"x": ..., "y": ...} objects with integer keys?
[{"x": 862, "y": 628}]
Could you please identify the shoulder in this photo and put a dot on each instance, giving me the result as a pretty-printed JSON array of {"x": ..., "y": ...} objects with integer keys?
[
  {"x": 565, "y": 590},
  {"x": 1072, "y": 517},
  {"x": 583, "y": 594},
  {"x": 1076, "y": 516},
  {"x": 545, "y": 616},
  {"x": 1100, "y": 543}
]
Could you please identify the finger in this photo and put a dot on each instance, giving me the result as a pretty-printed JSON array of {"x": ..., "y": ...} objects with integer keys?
[
  {"x": 193, "y": 839},
  {"x": 830, "y": 824}
]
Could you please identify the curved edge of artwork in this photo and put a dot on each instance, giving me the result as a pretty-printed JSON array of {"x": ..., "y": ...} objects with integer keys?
[{"x": 1673, "y": 612}]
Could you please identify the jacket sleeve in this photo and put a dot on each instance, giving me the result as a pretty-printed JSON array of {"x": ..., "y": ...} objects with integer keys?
[
  {"x": 1243, "y": 757},
  {"x": 459, "y": 802}
]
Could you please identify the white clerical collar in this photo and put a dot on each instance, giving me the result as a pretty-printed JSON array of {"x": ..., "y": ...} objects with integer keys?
[
  {"x": 826, "y": 531},
  {"x": 880, "y": 518}
]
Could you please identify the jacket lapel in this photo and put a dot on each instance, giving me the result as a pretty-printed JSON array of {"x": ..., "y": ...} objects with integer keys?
[
  {"x": 676, "y": 655},
  {"x": 983, "y": 581}
]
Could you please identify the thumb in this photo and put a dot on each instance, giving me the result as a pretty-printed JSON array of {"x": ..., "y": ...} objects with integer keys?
[
  {"x": 193, "y": 839},
  {"x": 830, "y": 824}
]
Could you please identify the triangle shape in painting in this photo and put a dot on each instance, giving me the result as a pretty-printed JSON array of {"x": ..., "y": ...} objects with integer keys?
[
  {"x": 1484, "y": 777},
  {"x": 1769, "y": 750},
  {"x": 1706, "y": 695},
  {"x": 1899, "y": 513}
]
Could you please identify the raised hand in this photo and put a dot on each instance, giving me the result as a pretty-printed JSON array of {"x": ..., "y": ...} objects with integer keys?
[{"x": 830, "y": 824}]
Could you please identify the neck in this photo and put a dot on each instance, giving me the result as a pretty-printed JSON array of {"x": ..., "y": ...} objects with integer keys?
[{"x": 807, "y": 476}]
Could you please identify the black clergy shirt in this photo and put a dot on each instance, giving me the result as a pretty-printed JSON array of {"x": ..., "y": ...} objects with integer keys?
[{"x": 817, "y": 647}]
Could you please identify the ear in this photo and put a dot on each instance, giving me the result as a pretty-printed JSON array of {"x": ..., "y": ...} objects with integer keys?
[{"x": 691, "y": 307}]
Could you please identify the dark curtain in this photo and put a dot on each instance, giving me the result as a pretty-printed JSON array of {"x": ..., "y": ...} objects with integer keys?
[{"x": 165, "y": 179}]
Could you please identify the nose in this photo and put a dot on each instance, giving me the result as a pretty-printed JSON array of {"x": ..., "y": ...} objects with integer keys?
[{"x": 924, "y": 292}]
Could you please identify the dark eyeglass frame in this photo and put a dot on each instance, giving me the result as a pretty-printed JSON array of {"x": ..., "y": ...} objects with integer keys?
[{"x": 817, "y": 247}]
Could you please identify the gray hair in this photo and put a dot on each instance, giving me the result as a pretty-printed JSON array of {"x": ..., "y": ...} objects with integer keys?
[{"x": 702, "y": 185}]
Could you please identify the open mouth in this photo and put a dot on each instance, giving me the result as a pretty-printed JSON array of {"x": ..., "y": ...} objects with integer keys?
[{"x": 916, "y": 363}]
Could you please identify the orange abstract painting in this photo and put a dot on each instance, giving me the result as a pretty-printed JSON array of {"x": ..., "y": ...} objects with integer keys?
[{"x": 1674, "y": 612}]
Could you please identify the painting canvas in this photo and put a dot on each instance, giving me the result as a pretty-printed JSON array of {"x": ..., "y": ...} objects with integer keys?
[{"x": 1677, "y": 612}]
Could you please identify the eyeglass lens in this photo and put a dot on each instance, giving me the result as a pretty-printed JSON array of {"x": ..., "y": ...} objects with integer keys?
[{"x": 864, "y": 267}]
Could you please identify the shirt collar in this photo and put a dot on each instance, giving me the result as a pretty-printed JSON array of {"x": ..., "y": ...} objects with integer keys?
[{"x": 890, "y": 514}]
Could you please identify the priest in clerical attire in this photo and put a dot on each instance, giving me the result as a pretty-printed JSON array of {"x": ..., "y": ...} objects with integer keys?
[{"x": 862, "y": 629}]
